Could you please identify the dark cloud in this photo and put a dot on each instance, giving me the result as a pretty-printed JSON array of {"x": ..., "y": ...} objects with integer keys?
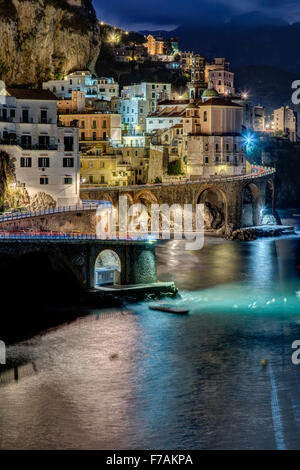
[{"x": 190, "y": 12}]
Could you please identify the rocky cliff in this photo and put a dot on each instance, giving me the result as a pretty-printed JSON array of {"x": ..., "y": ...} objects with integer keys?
[{"x": 42, "y": 39}]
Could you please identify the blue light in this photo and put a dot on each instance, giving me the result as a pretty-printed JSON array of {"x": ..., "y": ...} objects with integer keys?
[{"x": 249, "y": 142}]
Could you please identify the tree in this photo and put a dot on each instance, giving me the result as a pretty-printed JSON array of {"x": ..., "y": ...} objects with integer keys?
[{"x": 174, "y": 168}]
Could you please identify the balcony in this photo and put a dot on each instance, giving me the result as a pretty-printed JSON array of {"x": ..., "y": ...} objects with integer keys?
[
  {"x": 6, "y": 119},
  {"x": 90, "y": 139},
  {"x": 8, "y": 142},
  {"x": 37, "y": 146},
  {"x": 45, "y": 121},
  {"x": 25, "y": 121}
]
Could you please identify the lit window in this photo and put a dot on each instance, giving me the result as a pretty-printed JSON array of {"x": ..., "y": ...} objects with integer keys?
[{"x": 44, "y": 180}]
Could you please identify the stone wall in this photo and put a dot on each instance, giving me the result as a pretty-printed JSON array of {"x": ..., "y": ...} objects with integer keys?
[
  {"x": 66, "y": 222},
  {"x": 46, "y": 38},
  {"x": 138, "y": 262}
]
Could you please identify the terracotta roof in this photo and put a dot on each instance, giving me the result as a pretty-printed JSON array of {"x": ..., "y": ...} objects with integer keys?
[
  {"x": 28, "y": 94},
  {"x": 173, "y": 102},
  {"x": 177, "y": 126},
  {"x": 220, "y": 102}
]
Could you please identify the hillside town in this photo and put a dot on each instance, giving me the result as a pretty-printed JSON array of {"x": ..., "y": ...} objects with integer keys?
[{"x": 84, "y": 131}]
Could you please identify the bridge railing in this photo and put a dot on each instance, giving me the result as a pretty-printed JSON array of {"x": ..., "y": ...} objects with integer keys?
[
  {"x": 261, "y": 172},
  {"x": 66, "y": 236},
  {"x": 85, "y": 206}
]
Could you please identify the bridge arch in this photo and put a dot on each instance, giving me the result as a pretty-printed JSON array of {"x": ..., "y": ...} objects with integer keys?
[
  {"x": 106, "y": 197},
  {"x": 130, "y": 198},
  {"x": 145, "y": 197},
  {"x": 107, "y": 268},
  {"x": 215, "y": 207},
  {"x": 251, "y": 204}
]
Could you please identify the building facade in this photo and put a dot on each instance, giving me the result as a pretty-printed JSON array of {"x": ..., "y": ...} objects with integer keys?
[
  {"x": 149, "y": 91},
  {"x": 103, "y": 88},
  {"x": 95, "y": 127},
  {"x": 114, "y": 167},
  {"x": 214, "y": 144},
  {"x": 47, "y": 158},
  {"x": 155, "y": 45},
  {"x": 134, "y": 111},
  {"x": 285, "y": 122}
]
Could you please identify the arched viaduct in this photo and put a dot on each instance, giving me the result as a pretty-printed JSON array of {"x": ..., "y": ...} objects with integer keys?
[{"x": 230, "y": 202}]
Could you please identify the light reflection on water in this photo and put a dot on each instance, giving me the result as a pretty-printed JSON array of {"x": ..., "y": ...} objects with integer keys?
[{"x": 147, "y": 379}]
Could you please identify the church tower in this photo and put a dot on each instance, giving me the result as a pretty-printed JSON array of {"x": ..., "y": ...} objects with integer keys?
[{"x": 197, "y": 83}]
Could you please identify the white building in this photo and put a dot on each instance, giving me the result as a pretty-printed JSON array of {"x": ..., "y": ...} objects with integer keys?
[
  {"x": 47, "y": 158},
  {"x": 134, "y": 140},
  {"x": 152, "y": 92},
  {"x": 104, "y": 88},
  {"x": 134, "y": 111},
  {"x": 285, "y": 121},
  {"x": 165, "y": 119}
]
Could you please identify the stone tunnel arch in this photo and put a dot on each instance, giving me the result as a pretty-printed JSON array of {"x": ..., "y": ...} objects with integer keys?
[
  {"x": 146, "y": 198},
  {"x": 251, "y": 206},
  {"x": 107, "y": 268},
  {"x": 215, "y": 207}
]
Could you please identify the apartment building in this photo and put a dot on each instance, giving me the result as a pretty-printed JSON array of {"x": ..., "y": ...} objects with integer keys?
[
  {"x": 95, "y": 127},
  {"x": 46, "y": 155},
  {"x": 103, "y": 88}
]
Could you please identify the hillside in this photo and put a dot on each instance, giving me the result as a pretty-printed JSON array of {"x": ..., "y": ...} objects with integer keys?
[{"x": 266, "y": 85}]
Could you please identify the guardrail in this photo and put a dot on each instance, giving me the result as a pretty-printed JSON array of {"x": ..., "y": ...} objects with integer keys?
[
  {"x": 85, "y": 206},
  {"x": 264, "y": 171},
  {"x": 47, "y": 236},
  {"x": 69, "y": 236}
]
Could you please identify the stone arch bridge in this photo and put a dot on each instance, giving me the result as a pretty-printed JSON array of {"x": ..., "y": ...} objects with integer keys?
[
  {"x": 79, "y": 258},
  {"x": 230, "y": 202}
]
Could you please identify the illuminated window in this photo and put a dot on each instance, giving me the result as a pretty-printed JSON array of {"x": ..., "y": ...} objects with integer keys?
[
  {"x": 26, "y": 162},
  {"x": 44, "y": 162},
  {"x": 68, "y": 162}
]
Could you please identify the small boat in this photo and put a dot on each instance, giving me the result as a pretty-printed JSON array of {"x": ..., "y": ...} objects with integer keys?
[{"x": 169, "y": 309}]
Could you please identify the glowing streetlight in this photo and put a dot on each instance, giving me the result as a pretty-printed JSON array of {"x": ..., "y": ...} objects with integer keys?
[
  {"x": 244, "y": 95},
  {"x": 113, "y": 38}
]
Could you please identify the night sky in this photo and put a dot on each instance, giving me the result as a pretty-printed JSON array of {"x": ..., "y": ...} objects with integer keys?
[{"x": 168, "y": 14}]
